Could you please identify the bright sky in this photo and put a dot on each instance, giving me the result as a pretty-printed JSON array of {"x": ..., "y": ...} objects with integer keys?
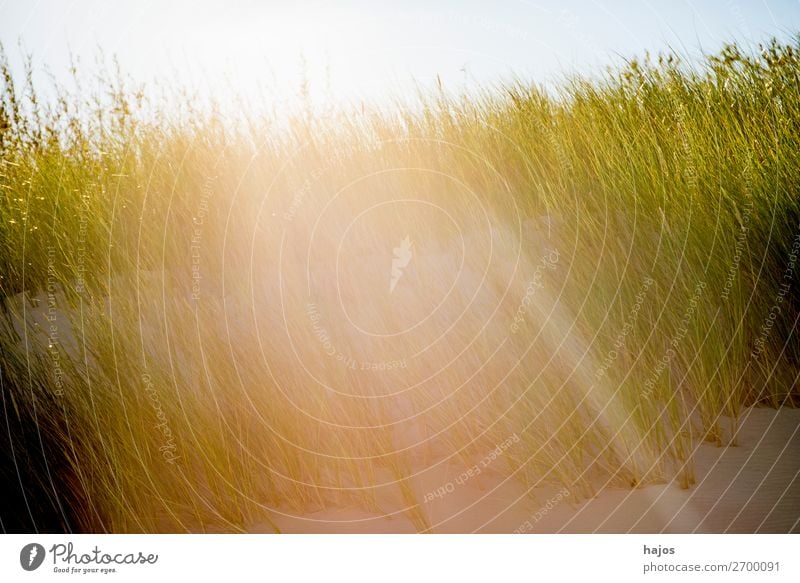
[{"x": 353, "y": 48}]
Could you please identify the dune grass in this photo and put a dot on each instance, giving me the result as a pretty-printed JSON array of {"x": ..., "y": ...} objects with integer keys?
[{"x": 198, "y": 280}]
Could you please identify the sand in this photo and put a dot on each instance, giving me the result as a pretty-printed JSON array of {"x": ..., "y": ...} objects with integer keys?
[{"x": 753, "y": 487}]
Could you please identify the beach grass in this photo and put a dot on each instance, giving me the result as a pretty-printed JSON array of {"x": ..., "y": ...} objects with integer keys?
[{"x": 629, "y": 282}]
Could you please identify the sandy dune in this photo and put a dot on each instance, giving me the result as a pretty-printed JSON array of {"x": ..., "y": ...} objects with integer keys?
[
  {"x": 753, "y": 487},
  {"x": 749, "y": 488}
]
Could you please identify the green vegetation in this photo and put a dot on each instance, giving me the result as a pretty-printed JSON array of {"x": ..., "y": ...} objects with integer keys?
[{"x": 177, "y": 380}]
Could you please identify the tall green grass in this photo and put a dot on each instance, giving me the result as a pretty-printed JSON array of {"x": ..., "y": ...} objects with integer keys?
[{"x": 182, "y": 387}]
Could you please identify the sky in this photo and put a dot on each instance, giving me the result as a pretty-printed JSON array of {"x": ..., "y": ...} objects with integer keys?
[{"x": 352, "y": 50}]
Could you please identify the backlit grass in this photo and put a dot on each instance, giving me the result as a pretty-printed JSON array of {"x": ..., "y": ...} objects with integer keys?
[{"x": 198, "y": 322}]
